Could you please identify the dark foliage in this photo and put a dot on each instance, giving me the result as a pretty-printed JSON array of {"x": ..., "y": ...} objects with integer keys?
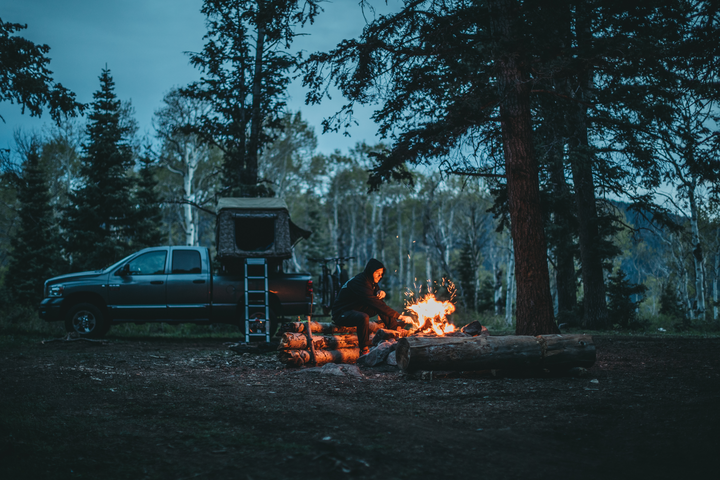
[
  {"x": 246, "y": 71},
  {"x": 99, "y": 220},
  {"x": 25, "y": 78},
  {"x": 622, "y": 310},
  {"x": 36, "y": 246},
  {"x": 148, "y": 212},
  {"x": 670, "y": 304}
]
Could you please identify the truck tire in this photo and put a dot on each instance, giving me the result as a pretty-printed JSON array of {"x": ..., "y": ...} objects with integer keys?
[{"x": 86, "y": 320}]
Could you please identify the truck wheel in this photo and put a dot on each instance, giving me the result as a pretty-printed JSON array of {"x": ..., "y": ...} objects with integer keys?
[{"x": 86, "y": 320}]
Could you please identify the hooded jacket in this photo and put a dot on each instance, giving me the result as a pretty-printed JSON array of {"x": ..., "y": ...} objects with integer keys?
[{"x": 360, "y": 293}]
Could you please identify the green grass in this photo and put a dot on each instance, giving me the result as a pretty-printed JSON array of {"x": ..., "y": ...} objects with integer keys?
[{"x": 21, "y": 325}]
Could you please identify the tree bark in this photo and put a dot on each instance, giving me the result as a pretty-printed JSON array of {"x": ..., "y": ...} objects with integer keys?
[
  {"x": 298, "y": 341},
  {"x": 489, "y": 353},
  {"x": 324, "y": 328},
  {"x": 563, "y": 221},
  {"x": 298, "y": 358},
  {"x": 498, "y": 289},
  {"x": 594, "y": 304},
  {"x": 716, "y": 280},
  {"x": 510, "y": 284},
  {"x": 698, "y": 260},
  {"x": 534, "y": 312},
  {"x": 250, "y": 172}
]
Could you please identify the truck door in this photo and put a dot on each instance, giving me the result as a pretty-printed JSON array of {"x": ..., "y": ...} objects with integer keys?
[
  {"x": 188, "y": 288},
  {"x": 137, "y": 290}
]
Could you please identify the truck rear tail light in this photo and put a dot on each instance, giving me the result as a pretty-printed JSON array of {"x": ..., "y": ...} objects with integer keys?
[{"x": 308, "y": 288}]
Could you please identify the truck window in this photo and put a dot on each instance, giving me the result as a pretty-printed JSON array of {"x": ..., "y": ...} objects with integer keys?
[
  {"x": 254, "y": 234},
  {"x": 186, "y": 261},
  {"x": 151, "y": 263}
]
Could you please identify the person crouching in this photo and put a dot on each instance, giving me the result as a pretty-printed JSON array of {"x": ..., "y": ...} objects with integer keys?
[{"x": 359, "y": 299}]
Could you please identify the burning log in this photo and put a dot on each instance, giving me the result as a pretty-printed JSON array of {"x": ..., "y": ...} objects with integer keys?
[
  {"x": 298, "y": 358},
  {"x": 474, "y": 329},
  {"x": 487, "y": 353},
  {"x": 299, "y": 341},
  {"x": 383, "y": 334},
  {"x": 323, "y": 328}
]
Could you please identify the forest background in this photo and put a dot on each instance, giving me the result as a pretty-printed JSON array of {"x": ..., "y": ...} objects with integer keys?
[{"x": 650, "y": 142}]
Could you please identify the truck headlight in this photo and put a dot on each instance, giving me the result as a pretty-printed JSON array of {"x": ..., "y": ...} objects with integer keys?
[{"x": 56, "y": 290}]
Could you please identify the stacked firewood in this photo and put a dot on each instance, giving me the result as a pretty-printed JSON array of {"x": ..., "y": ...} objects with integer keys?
[{"x": 331, "y": 344}]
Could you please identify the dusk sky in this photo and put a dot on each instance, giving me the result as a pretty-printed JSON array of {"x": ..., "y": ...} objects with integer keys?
[{"x": 143, "y": 44}]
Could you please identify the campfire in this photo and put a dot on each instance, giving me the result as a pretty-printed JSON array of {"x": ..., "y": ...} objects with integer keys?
[{"x": 432, "y": 315}]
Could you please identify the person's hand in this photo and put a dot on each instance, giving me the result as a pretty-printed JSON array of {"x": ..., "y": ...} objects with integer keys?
[
  {"x": 407, "y": 320},
  {"x": 381, "y": 294}
]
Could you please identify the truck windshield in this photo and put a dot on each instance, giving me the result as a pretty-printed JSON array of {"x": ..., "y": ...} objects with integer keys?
[{"x": 116, "y": 264}]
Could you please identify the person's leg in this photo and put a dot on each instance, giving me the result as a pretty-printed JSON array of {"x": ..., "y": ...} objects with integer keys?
[{"x": 358, "y": 320}]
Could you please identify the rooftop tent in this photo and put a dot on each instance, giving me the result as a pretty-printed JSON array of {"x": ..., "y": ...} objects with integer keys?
[{"x": 255, "y": 227}]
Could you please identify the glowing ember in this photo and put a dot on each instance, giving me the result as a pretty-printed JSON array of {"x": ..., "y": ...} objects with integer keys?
[{"x": 432, "y": 315}]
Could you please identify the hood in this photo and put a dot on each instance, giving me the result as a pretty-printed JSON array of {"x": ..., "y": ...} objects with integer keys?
[
  {"x": 373, "y": 265},
  {"x": 75, "y": 276}
]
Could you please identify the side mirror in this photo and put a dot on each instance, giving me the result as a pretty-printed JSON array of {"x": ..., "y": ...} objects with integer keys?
[{"x": 125, "y": 270}]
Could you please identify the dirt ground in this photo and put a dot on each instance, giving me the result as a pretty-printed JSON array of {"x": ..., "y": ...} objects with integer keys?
[{"x": 174, "y": 409}]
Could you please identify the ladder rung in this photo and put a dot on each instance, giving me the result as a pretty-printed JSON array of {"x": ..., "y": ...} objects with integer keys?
[{"x": 255, "y": 261}]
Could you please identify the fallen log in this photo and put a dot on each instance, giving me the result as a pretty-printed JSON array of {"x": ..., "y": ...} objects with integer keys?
[
  {"x": 512, "y": 352},
  {"x": 298, "y": 358},
  {"x": 299, "y": 341},
  {"x": 323, "y": 328},
  {"x": 567, "y": 351}
]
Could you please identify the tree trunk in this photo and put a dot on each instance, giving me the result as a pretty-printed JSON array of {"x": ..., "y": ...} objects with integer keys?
[
  {"x": 250, "y": 172},
  {"x": 353, "y": 242},
  {"x": 298, "y": 341},
  {"x": 298, "y": 358},
  {"x": 410, "y": 271},
  {"x": 324, "y": 328},
  {"x": 189, "y": 224},
  {"x": 716, "y": 280},
  {"x": 580, "y": 156},
  {"x": 534, "y": 302},
  {"x": 336, "y": 223},
  {"x": 699, "y": 310},
  {"x": 510, "y": 284},
  {"x": 428, "y": 268},
  {"x": 373, "y": 224},
  {"x": 498, "y": 289},
  {"x": 564, "y": 245},
  {"x": 489, "y": 353},
  {"x": 401, "y": 254}
]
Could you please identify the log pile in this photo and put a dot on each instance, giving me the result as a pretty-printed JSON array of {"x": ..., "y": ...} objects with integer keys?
[
  {"x": 332, "y": 345},
  {"x": 512, "y": 352},
  {"x": 453, "y": 352}
]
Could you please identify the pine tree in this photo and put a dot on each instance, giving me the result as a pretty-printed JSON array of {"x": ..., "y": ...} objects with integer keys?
[
  {"x": 98, "y": 221},
  {"x": 466, "y": 268},
  {"x": 36, "y": 244},
  {"x": 670, "y": 303},
  {"x": 621, "y": 309},
  {"x": 245, "y": 76},
  {"x": 148, "y": 213}
]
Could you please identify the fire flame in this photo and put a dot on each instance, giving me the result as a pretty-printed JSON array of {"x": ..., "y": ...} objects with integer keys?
[{"x": 432, "y": 315}]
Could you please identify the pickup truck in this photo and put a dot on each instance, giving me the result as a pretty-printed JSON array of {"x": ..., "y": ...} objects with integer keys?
[{"x": 165, "y": 284}]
